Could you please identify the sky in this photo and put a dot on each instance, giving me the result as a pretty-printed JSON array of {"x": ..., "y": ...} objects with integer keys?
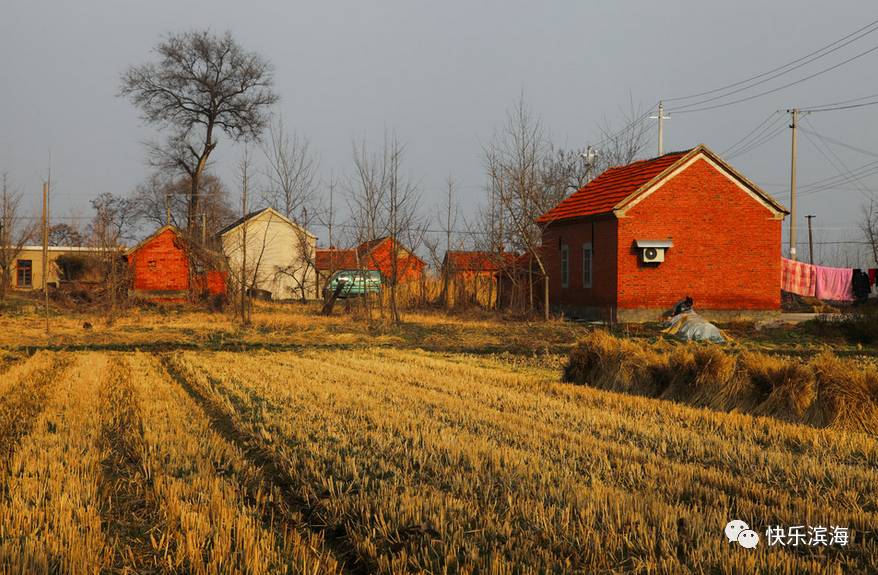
[{"x": 442, "y": 76}]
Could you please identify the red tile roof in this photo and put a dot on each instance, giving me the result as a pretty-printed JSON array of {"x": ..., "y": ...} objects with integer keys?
[
  {"x": 353, "y": 258},
  {"x": 600, "y": 195},
  {"x": 478, "y": 261},
  {"x": 335, "y": 259}
]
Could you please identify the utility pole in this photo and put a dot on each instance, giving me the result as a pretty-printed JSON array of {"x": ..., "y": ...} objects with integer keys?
[
  {"x": 46, "y": 251},
  {"x": 167, "y": 208},
  {"x": 589, "y": 156},
  {"x": 661, "y": 117},
  {"x": 810, "y": 238},
  {"x": 794, "y": 114}
]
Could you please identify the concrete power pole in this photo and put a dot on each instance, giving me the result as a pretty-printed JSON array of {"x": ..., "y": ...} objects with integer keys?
[
  {"x": 661, "y": 117},
  {"x": 810, "y": 238},
  {"x": 794, "y": 114}
]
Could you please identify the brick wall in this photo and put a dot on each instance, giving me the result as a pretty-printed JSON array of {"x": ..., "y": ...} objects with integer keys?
[
  {"x": 160, "y": 265},
  {"x": 601, "y": 233},
  {"x": 726, "y": 251}
]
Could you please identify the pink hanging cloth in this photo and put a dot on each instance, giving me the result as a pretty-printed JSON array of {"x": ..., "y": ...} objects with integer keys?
[
  {"x": 834, "y": 283},
  {"x": 798, "y": 277}
]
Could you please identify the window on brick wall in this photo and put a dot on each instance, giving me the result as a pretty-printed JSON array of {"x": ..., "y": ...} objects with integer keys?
[
  {"x": 586, "y": 265},
  {"x": 565, "y": 266}
]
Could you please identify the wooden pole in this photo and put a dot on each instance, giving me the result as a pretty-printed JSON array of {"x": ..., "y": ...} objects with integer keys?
[{"x": 46, "y": 251}]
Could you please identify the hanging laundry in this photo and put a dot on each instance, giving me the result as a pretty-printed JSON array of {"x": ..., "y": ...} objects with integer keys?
[
  {"x": 860, "y": 284},
  {"x": 834, "y": 284},
  {"x": 797, "y": 277}
]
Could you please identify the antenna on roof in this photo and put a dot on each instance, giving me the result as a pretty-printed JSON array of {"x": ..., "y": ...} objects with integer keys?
[{"x": 590, "y": 156}]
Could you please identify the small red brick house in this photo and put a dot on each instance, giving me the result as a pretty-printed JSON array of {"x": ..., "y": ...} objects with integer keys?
[
  {"x": 375, "y": 255},
  {"x": 638, "y": 238},
  {"x": 474, "y": 276},
  {"x": 160, "y": 269}
]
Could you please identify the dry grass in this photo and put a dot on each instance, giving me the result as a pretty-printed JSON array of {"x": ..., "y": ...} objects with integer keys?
[
  {"x": 430, "y": 464},
  {"x": 825, "y": 391},
  {"x": 50, "y": 518}
]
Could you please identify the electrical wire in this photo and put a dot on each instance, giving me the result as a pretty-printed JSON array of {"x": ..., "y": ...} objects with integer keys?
[
  {"x": 773, "y": 70},
  {"x": 748, "y": 134},
  {"x": 756, "y": 144},
  {"x": 773, "y": 90}
]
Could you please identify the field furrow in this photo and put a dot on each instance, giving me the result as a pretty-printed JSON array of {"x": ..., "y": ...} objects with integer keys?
[
  {"x": 216, "y": 515},
  {"x": 424, "y": 468},
  {"x": 50, "y": 520},
  {"x": 24, "y": 390}
]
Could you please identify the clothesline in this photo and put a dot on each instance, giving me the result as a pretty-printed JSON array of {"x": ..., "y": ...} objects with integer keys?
[{"x": 826, "y": 283}]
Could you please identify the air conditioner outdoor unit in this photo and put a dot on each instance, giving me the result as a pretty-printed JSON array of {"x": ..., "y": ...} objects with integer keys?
[
  {"x": 653, "y": 251},
  {"x": 653, "y": 255}
]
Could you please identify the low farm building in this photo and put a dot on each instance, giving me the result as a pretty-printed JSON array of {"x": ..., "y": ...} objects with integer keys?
[
  {"x": 473, "y": 277},
  {"x": 640, "y": 237},
  {"x": 27, "y": 266},
  {"x": 161, "y": 269},
  {"x": 280, "y": 254},
  {"x": 376, "y": 255}
]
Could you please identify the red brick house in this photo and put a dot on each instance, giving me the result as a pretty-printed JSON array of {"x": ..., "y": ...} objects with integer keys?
[
  {"x": 474, "y": 276},
  {"x": 375, "y": 255},
  {"x": 638, "y": 238},
  {"x": 160, "y": 269}
]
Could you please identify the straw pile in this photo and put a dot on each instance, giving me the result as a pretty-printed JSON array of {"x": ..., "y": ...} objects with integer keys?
[{"x": 826, "y": 391}]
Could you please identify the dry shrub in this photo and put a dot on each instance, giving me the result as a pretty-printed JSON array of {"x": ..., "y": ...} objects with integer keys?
[{"x": 825, "y": 392}]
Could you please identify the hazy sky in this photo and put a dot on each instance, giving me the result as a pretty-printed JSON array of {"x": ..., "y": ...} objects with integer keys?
[{"x": 442, "y": 75}]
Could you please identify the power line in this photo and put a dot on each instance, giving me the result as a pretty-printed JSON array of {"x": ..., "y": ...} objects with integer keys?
[
  {"x": 849, "y": 107},
  {"x": 777, "y": 131},
  {"x": 839, "y": 143},
  {"x": 787, "y": 65},
  {"x": 750, "y": 133},
  {"x": 773, "y": 90}
]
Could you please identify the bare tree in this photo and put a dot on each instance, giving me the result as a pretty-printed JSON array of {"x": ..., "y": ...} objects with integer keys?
[
  {"x": 449, "y": 223},
  {"x": 15, "y": 232},
  {"x": 244, "y": 310},
  {"x": 291, "y": 174},
  {"x": 110, "y": 227},
  {"x": 367, "y": 193},
  {"x": 202, "y": 84},
  {"x": 621, "y": 147},
  {"x": 514, "y": 163},
  {"x": 869, "y": 227},
  {"x": 65, "y": 235}
]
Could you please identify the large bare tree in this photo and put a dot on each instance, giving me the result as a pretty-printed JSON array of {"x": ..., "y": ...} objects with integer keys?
[
  {"x": 201, "y": 85},
  {"x": 15, "y": 232}
]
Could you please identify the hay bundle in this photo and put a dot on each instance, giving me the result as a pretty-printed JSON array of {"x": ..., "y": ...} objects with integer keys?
[
  {"x": 787, "y": 386},
  {"x": 825, "y": 392},
  {"x": 847, "y": 394},
  {"x": 606, "y": 362}
]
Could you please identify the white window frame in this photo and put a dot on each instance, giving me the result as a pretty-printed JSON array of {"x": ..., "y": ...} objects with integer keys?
[
  {"x": 587, "y": 249},
  {"x": 565, "y": 266}
]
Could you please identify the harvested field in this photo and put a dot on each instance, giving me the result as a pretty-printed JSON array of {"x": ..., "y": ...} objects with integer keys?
[{"x": 391, "y": 461}]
